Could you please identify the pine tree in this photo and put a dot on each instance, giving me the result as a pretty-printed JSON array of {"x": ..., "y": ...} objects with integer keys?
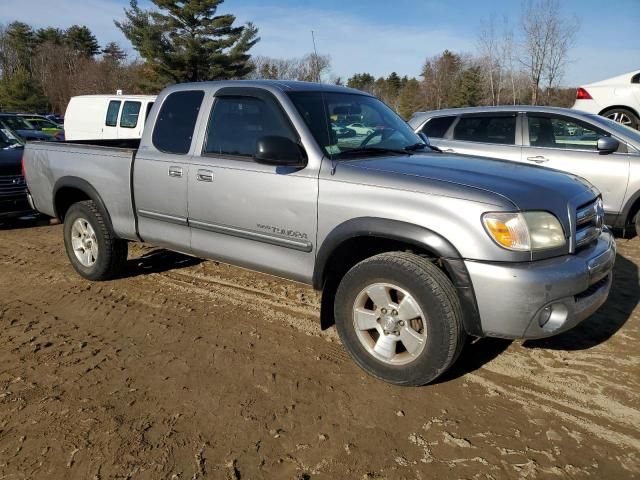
[
  {"x": 362, "y": 81},
  {"x": 409, "y": 99},
  {"x": 19, "y": 91},
  {"x": 50, "y": 35},
  {"x": 468, "y": 91},
  {"x": 185, "y": 41},
  {"x": 113, "y": 53},
  {"x": 80, "y": 39}
]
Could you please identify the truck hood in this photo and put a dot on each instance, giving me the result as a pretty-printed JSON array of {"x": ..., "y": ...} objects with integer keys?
[{"x": 526, "y": 187}]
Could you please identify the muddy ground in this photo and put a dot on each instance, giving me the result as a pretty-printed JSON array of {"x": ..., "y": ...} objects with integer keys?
[{"x": 189, "y": 369}]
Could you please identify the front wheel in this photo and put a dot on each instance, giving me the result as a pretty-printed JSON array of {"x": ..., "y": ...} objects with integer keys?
[
  {"x": 400, "y": 318},
  {"x": 91, "y": 245}
]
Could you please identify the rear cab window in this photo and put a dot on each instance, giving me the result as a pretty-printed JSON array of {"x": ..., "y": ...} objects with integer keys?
[
  {"x": 130, "y": 114},
  {"x": 437, "y": 127},
  {"x": 176, "y": 121},
  {"x": 112, "y": 113},
  {"x": 495, "y": 129}
]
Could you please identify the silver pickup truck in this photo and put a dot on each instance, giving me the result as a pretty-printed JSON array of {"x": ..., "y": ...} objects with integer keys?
[{"x": 413, "y": 249}]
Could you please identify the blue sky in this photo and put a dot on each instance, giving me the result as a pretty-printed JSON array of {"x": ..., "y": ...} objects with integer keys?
[{"x": 378, "y": 36}]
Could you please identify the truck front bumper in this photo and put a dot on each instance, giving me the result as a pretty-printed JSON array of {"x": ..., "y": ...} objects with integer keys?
[{"x": 543, "y": 298}]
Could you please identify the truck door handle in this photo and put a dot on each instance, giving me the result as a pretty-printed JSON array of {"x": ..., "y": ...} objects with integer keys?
[
  {"x": 205, "y": 176},
  {"x": 538, "y": 159},
  {"x": 175, "y": 171},
  {"x": 449, "y": 150}
]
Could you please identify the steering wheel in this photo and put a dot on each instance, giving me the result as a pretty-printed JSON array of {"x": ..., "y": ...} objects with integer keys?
[{"x": 385, "y": 133}]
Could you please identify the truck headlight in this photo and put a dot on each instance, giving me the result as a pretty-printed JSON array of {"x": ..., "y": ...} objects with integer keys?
[{"x": 524, "y": 231}]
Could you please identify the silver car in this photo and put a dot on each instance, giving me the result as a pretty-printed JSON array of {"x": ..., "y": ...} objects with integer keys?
[{"x": 603, "y": 152}]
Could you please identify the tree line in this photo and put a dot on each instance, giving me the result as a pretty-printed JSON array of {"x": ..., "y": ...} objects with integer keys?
[{"x": 187, "y": 40}]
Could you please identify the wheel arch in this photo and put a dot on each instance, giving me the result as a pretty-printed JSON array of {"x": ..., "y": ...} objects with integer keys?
[
  {"x": 629, "y": 210},
  {"x": 69, "y": 190},
  {"x": 360, "y": 238},
  {"x": 624, "y": 107}
]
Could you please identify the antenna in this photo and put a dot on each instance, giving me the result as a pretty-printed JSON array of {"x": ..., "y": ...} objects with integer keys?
[{"x": 315, "y": 58}]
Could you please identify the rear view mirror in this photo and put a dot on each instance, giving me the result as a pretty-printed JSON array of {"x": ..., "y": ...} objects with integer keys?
[
  {"x": 280, "y": 151},
  {"x": 607, "y": 145}
]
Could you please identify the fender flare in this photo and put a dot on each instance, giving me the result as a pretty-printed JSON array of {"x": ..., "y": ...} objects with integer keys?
[
  {"x": 85, "y": 187},
  {"x": 412, "y": 234},
  {"x": 626, "y": 210}
]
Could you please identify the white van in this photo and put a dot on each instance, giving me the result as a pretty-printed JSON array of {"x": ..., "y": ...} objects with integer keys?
[{"x": 106, "y": 117}]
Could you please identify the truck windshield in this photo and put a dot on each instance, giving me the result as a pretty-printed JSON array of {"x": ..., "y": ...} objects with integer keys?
[{"x": 351, "y": 124}]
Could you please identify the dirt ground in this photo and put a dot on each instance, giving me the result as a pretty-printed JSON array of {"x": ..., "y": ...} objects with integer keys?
[{"x": 190, "y": 369}]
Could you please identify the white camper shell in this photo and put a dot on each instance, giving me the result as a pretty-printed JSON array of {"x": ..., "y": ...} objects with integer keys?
[{"x": 107, "y": 117}]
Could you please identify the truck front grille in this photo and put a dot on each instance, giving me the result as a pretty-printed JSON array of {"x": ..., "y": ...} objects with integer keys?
[
  {"x": 589, "y": 222},
  {"x": 12, "y": 186}
]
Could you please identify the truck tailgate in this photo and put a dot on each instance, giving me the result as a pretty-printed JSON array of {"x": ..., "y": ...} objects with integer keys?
[{"x": 104, "y": 171}]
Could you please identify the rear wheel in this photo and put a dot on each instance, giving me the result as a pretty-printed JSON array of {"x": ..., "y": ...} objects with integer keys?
[
  {"x": 91, "y": 245},
  {"x": 623, "y": 116},
  {"x": 400, "y": 318}
]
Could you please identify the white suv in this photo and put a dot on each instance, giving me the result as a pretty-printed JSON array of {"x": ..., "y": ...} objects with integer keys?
[{"x": 617, "y": 98}]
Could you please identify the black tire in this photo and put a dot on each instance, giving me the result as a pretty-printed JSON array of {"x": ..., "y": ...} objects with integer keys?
[
  {"x": 636, "y": 222},
  {"x": 112, "y": 252},
  {"x": 635, "y": 121},
  {"x": 435, "y": 295}
]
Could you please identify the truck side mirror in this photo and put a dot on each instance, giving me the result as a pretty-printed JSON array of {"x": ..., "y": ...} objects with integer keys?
[
  {"x": 279, "y": 151},
  {"x": 607, "y": 145}
]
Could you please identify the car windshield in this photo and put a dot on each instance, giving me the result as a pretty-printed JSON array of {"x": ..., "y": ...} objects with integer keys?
[
  {"x": 618, "y": 128},
  {"x": 8, "y": 140},
  {"x": 16, "y": 123},
  {"x": 40, "y": 123},
  {"x": 351, "y": 124}
]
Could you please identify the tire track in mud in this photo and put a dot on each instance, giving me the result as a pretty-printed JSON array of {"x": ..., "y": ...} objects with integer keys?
[
  {"x": 232, "y": 285},
  {"x": 577, "y": 389}
]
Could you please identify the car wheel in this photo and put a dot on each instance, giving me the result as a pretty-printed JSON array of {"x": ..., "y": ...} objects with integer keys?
[
  {"x": 91, "y": 245},
  {"x": 399, "y": 317},
  {"x": 623, "y": 116}
]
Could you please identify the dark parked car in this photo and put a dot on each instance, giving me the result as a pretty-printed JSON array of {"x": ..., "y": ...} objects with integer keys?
[
  {"x": 13, "y": 188},
  {"x": 59, "y": 119},
  {"x": 20, "y": 126}
]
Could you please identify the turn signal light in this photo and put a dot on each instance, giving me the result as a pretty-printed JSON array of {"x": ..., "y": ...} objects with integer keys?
[
  {"x": 500, "y": 231},
  {"x": 582, "y": 94}
]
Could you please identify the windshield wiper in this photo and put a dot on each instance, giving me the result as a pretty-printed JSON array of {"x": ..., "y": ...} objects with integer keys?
[
  {"x": 418, "y": 146},
  {"x": 372, "y": 150}
]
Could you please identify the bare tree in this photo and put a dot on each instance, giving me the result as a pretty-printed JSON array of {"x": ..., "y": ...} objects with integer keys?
[
  {"x": 309, "y": 68},
  {"x": 548, "y": 36},
  {"x": 64, "y": 72},
  {"x": 508, "y": 54},
  {"x": 491, "y": 59}
]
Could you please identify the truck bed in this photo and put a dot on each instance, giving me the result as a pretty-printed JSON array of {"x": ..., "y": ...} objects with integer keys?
[{"x": 51, "y": 167}]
